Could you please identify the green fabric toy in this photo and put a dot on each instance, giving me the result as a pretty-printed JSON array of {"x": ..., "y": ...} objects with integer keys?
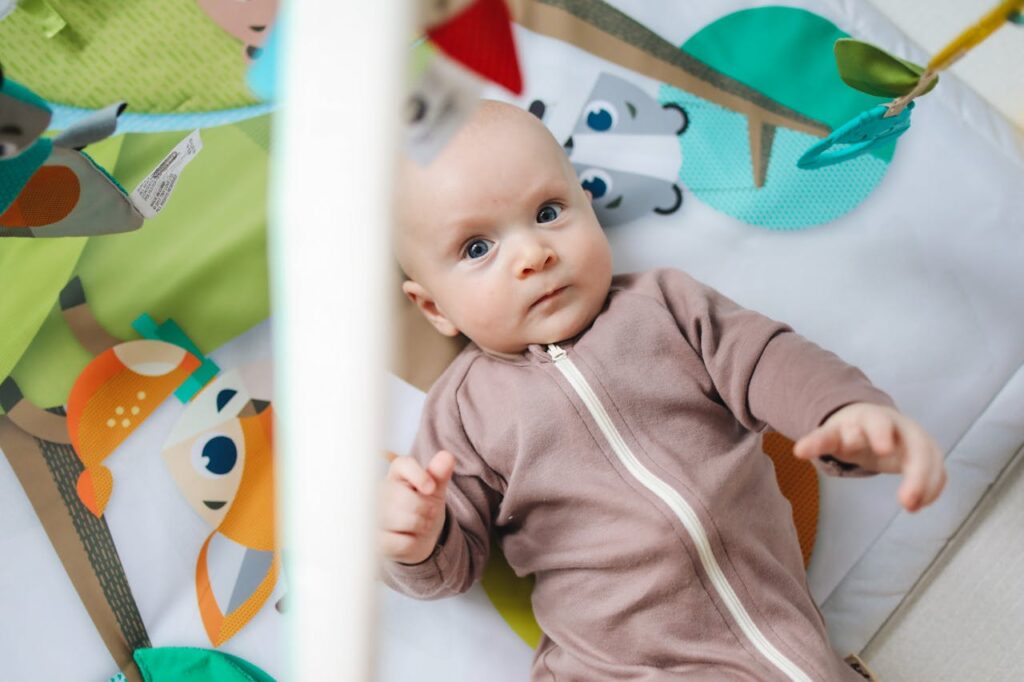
[
  {"x": 870, "y": 69},
  {"x": 187, "y": 664}
]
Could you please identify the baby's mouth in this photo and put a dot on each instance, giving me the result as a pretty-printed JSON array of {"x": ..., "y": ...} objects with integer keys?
[{"x": 548, "y": 296}]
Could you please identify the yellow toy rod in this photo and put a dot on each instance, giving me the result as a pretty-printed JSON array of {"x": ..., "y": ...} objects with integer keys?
[{"x": 988, "y": 25}]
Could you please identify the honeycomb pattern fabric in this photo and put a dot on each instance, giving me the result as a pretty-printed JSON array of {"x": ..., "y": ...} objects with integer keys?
[
  {"x": 786, "y": 54},
  {"x": 798, "y": 481},
  {"x": 717, "y": 169}
]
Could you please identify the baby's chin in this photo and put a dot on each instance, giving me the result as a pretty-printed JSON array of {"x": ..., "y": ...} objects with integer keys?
[
  {"x": 509, "y": 347},
  {"x": 560, "y": 328},
  {"x": 564, "y": 324}
]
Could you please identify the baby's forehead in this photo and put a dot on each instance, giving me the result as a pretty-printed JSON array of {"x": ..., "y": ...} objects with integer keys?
[{"x": 466, "y": 167}]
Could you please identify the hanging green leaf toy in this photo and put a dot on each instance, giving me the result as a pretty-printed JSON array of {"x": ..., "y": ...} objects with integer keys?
[
  {"x": 48, "y": 186},
  {"x": 869, "y": 69}
]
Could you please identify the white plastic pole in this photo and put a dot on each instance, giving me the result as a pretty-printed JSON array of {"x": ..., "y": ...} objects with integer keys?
[{"x": 341, "y": 84}]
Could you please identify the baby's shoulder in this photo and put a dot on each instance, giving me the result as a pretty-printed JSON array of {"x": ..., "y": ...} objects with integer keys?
[
  {"x": 456, "y": 374},
  {"x": 658, "y": 284}
]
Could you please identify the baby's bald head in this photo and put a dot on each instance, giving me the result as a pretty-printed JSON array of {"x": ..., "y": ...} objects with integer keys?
[{"x": 475, "y": 149}]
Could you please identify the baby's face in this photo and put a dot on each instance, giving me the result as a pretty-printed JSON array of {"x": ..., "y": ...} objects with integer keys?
[{"x": 499, "y": 238}]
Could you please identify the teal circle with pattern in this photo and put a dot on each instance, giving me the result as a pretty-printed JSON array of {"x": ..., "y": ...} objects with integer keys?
[{"x": 786, "y": 54}]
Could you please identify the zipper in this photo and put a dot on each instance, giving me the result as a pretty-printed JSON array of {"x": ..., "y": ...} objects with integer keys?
[{"x": 681, "y": 509}]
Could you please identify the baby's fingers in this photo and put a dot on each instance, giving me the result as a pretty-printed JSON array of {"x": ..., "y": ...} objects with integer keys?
[
  {"x": 937, "y": 477},
  {"x": 408, "y": 549},
  {"x": 923, "y": 472},
  {"x": 824, "y": 440},
  {"x": 880, "y": 432},
  {"x": 406, "y": 511},
  {"x": 440, "y": 468},
  {"x": 407, "y": 470}
]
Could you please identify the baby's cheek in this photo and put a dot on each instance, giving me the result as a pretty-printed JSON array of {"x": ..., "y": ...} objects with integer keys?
[{"x": 482, "y": 310}]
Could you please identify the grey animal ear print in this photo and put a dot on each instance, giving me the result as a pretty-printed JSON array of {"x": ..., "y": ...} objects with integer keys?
[
  {"x": 684, "y": 117},
  {"x": 626, "y": 151},
  {"x": 619, "y": 196}
]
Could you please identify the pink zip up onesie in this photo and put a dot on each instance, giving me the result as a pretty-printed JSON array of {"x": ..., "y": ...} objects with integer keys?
[{"x": 622, "y": 469}]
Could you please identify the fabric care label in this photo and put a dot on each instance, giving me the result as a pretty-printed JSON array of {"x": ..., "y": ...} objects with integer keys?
[{"x": 154, "y": 190}]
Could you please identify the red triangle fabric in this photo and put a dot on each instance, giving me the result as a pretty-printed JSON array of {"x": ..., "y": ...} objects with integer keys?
[{"x": 480, "y": 37}]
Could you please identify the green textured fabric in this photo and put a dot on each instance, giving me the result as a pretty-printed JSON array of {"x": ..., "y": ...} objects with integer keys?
[
  {"x": 258, "y": 129},
  {"x": 32, "y": 273},
  {"x": 756, "y": 48},
  {"x": 876, "y": 72},
  {"x": 186, "y": 664},
  {"x": 46, "y": 18},
  {"x": 158, "y": 55},
  {"x": 201, "y": 262}
]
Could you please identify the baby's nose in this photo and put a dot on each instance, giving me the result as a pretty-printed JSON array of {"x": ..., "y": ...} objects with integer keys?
[{"x": 534, "y": 257}]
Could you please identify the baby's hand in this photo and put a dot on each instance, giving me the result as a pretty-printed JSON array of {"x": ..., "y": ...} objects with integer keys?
[
  {"x": 411, "y": 513},
  {"x": 880, "y": 438}
]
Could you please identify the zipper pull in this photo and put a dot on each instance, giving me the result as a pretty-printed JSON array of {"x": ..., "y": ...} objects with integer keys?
[{"x": 556, "y": 352}]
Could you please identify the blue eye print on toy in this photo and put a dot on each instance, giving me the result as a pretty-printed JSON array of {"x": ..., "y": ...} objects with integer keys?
[
  {"x": 478, "y": 248},
  {"x": 601, "y": 116},
  {"x": 548, "y": 213},
  {"x": 597, "y": 182},
  {"x": 216, "y": 457},
  {"x": 224, "y": 397}
]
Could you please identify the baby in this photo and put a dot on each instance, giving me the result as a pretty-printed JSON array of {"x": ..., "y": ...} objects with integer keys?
[{"x": 606, "y": 431}]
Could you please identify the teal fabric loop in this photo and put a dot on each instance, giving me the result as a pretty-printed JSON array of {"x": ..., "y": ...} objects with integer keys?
[
  {"x": 868, "y": 130},
  {"x": 1017, "y": 18}
]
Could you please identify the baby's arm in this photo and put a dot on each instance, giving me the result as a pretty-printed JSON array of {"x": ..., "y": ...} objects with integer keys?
[
  {"x": 437, "y": 505},
  {"x": 412, "y": 511},
  {"x": 434, "y": 521},
  {"x": 766, "y": 374},
  {"x": 880, "y": 438}
]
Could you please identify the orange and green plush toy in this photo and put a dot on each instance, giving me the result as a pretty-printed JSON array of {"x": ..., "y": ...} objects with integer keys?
[{"x": 49, "y": 187}]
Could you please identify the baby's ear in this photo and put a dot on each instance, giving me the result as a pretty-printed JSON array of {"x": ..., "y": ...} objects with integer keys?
[{"x": 426, "y": 304}]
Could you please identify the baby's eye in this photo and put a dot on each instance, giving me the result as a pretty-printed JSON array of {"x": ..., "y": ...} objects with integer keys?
[
  {"x": 548, "y": 212},
  {"x": 478, "y": 248}
]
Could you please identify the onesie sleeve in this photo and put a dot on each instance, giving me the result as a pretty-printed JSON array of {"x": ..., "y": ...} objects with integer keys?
[
  {"x": 764, "y": 372},
  {"x": 474, "y": 492}
]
